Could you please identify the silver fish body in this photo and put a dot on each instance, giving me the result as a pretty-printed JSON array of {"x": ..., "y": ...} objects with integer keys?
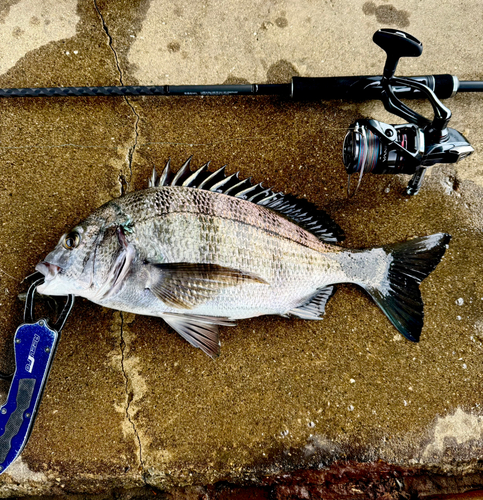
[{"x": 205, "y": 252}]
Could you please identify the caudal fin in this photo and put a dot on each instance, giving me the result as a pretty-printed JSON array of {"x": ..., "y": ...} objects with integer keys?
[{"x": 399, "y": 295}]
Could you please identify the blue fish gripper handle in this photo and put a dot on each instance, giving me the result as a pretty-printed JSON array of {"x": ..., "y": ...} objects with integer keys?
[{"x": 35, "y": 346}]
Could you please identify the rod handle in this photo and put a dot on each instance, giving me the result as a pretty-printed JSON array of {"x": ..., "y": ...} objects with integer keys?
[{"x": 361, "y": 88}]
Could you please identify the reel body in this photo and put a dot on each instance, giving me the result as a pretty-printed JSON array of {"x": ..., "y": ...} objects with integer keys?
[{"x": 371, "y": 146}]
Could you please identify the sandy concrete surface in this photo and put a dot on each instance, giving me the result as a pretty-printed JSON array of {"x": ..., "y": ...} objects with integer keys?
[{"x": 129, "y": 404}]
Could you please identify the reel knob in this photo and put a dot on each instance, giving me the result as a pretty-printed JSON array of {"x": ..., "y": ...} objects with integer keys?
[{"x": 396, "y": 44}]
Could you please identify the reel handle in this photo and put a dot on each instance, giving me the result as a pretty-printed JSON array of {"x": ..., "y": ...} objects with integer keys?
[
  {"x": 399, "y": 44},
  {"x": 396, "y": 44}
]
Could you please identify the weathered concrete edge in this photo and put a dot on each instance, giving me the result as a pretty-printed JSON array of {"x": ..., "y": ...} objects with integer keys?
[
  {"x": 307, "y": 472},
  {"x": 343, "y": 479}
]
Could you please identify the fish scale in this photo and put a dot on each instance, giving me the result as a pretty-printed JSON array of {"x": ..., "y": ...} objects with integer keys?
[{"x": 195, "y": 251}]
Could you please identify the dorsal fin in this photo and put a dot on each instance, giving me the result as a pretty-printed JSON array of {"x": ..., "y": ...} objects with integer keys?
[{"x": 299, "y": 210}]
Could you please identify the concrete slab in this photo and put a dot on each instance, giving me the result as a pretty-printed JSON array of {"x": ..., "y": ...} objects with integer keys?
[{"x": 347, "y": 401}]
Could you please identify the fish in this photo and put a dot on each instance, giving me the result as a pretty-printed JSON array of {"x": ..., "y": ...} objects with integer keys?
[{"x": 204, "y": 249}]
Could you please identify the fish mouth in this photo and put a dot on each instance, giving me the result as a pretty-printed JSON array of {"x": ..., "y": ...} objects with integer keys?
[{"x": 49, "y": 270}]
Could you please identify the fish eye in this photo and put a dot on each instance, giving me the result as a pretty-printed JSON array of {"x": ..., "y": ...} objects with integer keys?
[{"x": 71, "y": 240}]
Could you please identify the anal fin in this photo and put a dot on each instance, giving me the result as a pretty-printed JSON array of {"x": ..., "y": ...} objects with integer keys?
[{"x": 315, "y": 308}]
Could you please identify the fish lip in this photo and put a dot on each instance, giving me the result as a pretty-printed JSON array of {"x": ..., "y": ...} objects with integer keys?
[{"x": 48, "y": 269}]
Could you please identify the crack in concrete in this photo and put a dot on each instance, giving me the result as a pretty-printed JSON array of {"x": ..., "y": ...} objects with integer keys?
[
  {"x": 124, "y": 186},
  {"x": 131, "y": 150},
  {"x": 129, "y": 399}
]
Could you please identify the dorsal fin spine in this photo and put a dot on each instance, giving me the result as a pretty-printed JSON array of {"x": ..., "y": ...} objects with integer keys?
[
  {"x": 164, "y": 179},
  {"x": 183, "y": 173},
  {"x": 152, "y": 180},
  {"x": 234, "y": 190},
  {"x": 219, "y": 185},
  {"x": 197, "y": 173},
  {"x": 207, "y": 182}
]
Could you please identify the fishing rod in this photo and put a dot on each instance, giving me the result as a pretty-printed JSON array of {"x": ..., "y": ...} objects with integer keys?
[
  {"x": 370, "y": 146},
  {"x": 300, "y": 88}
]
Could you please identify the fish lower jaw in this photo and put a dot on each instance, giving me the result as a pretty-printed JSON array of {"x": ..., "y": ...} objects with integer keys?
[
  {"x": 54, "y": 282},
  {"x": 49, "y": 271},
  {"x": 50, "y": 288}
]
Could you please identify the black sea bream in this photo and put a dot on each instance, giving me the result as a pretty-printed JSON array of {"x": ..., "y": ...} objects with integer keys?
[{"x": 202, "y": 249}]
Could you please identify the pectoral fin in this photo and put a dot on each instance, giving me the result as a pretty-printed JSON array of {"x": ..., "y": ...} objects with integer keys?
[
  {"x": 185, "y": 285},
  {"x": 199, "y": 331}
]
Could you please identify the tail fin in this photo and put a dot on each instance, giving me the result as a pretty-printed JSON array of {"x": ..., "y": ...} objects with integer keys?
[{"x": 399, "y": 296}]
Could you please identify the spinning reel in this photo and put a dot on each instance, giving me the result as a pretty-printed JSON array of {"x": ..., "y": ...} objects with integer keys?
[{"x": 371, "y": 146}]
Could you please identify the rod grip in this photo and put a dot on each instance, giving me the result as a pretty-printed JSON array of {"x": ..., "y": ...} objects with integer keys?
[{"x": 361, "y": 88}]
